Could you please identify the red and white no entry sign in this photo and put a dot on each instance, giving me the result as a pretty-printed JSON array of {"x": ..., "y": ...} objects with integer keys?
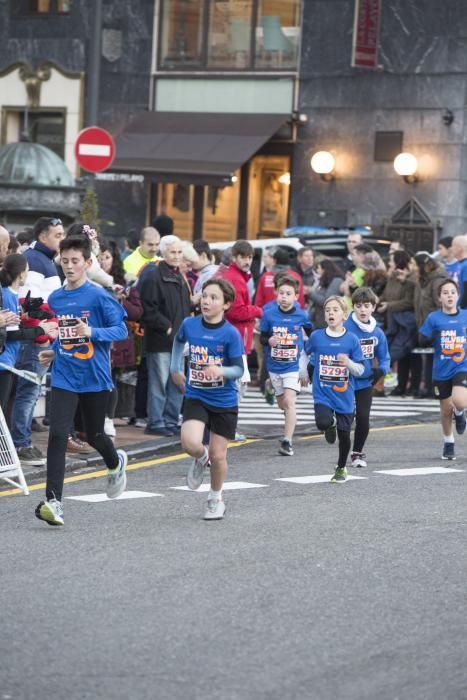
[{"x": 94, "y": 149}]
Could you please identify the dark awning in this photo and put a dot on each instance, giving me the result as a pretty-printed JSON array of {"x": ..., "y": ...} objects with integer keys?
[{"x": 192, "y": 148}]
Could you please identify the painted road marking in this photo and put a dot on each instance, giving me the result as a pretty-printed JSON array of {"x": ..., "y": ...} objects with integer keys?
[
  {"x": 417, "y": 471},
  {"x": 126, "y": 495},
  {"x": 317, "y": 479},
  {"x": 228, "y": 486}
]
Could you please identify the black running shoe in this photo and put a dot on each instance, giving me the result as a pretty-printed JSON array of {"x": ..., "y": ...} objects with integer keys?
[
  {"x": 286, "y": 448},
  {"x": 461, "y": 423},
  {"x": 448, "y": 451},
  {"x": 330, "y": 434}
]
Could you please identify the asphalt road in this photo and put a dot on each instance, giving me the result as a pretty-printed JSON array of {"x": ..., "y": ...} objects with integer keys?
[{"x": 305, "y": 590}]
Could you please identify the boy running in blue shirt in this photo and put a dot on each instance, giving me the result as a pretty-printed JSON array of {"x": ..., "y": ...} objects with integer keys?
[
  {"x": 374, "y": 347},
  {"x": 89, "y": 319},
  {"x": 215, "y": 362},
  {"x": 282, "y": 328},
  {"x": 446, "y": 330},
  {"x": 336, "y": 358}
]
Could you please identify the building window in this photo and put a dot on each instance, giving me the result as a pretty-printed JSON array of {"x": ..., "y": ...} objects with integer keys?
[
  {"x": 181, "y": 34},
  {"x": 388, "y": 144},
  {"x": 229, "y": 34},
  {"x": 41, "y": 7},
  {"x": 277, "y": 34},
  {"x": 43, "y": 127}
]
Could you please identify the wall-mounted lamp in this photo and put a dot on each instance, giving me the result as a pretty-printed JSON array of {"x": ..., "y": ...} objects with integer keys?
[
  {"x": 405, "y": 165},
  {"x": 284, "y": 179},
  {"x": 324, "y": 163},
  {"x": 448, "y": 117}
]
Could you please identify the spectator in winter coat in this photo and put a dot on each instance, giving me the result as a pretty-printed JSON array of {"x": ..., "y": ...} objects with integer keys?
[
  {"x": 166, "y": 302},
  {"x": 242, "y": 313}
]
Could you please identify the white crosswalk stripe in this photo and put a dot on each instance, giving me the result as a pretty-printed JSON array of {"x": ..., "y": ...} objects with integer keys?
[{"x": 254, "y": 410}]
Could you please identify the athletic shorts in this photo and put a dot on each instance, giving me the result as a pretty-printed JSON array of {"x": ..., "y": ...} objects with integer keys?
[
  {"x": 324, "y": 415},
  {"x": 442, "y": 388},
  {"x": 222, "y": 421},
  {"x": 280, "y": 382}
]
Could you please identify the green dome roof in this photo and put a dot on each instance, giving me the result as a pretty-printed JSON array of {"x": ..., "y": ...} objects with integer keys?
[{"x": 26, "y": 163}]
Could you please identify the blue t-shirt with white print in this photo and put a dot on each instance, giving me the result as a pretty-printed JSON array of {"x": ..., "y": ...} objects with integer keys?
[
  {"x": 449, "y": 335},
  {"x": 83, "y": 364},
  {"x": 374, "y": 345},
  {"x": 287, "y": 327},
  {"x": 333, "y": 385},
  {"x": 217, "y": 344}
]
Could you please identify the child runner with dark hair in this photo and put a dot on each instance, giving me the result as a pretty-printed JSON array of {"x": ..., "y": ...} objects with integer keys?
[
  {"x": 282, "y": 327},
  {"x": 89, "y": 319},
  {"x": 446, "y": 330},
  {"x": 374, "y": 347},
  {"x": 215, "y": 361},
  {"x": 336, "y": 358}
]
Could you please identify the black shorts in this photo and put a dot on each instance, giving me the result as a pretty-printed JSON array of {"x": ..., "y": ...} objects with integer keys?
[
  {"x": 222, "y": 421},
  {"x": 324, "y": 414},
  {"x": 442, "y": 388}
]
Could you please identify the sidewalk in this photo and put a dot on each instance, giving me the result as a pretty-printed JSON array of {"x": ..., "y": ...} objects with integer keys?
[{"x": 131, "y": 439}]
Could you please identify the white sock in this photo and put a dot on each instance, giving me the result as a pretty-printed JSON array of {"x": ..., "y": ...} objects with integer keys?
[
  {"x": 215, "y": 495},
  {"x": 458, "y": 413},
  {"x": 448, "y": 438}
]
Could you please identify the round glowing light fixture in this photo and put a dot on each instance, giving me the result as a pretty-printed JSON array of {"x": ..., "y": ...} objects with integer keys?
[
  {"x": 284, "y": 179},
  {"x": 406, "y": 165},
  {"x": 323, "y": 163}
]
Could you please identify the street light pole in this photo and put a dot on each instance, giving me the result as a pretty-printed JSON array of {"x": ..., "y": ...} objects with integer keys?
[
  {"x": 94, "y": 65},
  {"x": 93, "y": 77}
]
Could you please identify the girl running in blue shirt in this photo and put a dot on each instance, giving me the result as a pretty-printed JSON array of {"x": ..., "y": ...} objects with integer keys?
[
  {"x": 89, "y": 319},
  {"x": 336, "y": 358},
  {"x": 446, "y": 330},
  {"x": 215, "y": 361}
]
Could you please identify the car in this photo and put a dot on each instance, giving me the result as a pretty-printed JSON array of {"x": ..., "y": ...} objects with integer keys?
[
  {"x": 331, "y": 242},
  {"x": 330, "y": 245}
]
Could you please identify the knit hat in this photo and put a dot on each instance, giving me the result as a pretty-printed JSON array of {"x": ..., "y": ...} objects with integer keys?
[{"x": 164, "y": 224}]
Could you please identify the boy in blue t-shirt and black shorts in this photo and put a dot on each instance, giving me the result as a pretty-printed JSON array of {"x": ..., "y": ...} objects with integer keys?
[
  {"x": 282, "y": 327},
  {"x": 215, "y": 362}
]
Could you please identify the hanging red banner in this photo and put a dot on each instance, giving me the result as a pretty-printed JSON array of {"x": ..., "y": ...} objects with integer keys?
[{"x": 366, "y": 33}]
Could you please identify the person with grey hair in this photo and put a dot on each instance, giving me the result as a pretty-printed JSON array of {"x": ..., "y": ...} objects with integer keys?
[{"x": 166, "y": 302}]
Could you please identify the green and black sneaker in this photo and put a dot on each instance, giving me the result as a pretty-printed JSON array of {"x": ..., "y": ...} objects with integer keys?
[
  {"x": 340, "y": 475},
  {"x": 330, "y": 434}
]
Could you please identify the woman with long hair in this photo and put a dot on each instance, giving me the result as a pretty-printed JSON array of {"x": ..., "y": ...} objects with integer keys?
[{"x": 329, "y": 280}]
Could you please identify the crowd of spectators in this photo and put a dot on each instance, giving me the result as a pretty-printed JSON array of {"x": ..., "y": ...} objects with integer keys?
[{"x": 159, "y": 279}]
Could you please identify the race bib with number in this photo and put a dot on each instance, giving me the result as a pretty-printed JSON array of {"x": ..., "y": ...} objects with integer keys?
[
  {"x": 368, "y": 347},
  {"x": 68, "y": 333},
  {"x": 284, "y": 353},
  {"x": 332, "y": 371},
  {"x": 197, "y": 377}
]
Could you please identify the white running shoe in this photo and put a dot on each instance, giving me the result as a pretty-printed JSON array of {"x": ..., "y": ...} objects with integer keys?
[
  {"x": 215, "y": 509},
  {"x": 195, "y": 475},
  {"x": 51, "y": 512},
  {"x": 109, "y": 427},
  {"x": 116, "y": 478},
  {"x": 357, "y": 459}
]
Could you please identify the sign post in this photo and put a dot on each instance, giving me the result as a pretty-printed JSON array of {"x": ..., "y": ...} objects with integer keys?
[
  {"x": 94, "y": 149},
  {"x": 366, "y": 33}
]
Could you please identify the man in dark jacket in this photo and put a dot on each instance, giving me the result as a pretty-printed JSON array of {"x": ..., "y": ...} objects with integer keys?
[{"x": 166, "y": 302}]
